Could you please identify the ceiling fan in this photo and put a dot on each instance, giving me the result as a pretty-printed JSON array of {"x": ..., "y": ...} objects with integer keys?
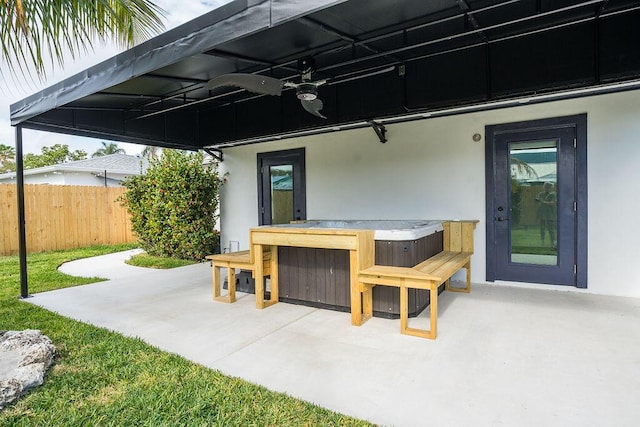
[{"x": 306, "y": 90}]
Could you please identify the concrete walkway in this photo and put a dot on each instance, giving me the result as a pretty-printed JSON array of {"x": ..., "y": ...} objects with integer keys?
[
  {"x": 111, "y": 266},
  {"x": 504, "y": 356}
]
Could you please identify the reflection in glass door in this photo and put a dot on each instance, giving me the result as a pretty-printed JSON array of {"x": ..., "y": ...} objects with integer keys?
[
  {"x": 281, "y": 194},
  {"x": 534, "y": 213}
]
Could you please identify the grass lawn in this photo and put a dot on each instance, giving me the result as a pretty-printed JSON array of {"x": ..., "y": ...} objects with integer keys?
[
  {"x": 526, "y": 240},
  {"x": 150, "y": 261},
  {"x": 103, "y": 378}
]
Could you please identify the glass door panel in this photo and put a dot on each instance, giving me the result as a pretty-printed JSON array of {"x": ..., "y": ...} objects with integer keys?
[
  {"x": 281, "y": 194},
  {"x": 533, "y": 201}
]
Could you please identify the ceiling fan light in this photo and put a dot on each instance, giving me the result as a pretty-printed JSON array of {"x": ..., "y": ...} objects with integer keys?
[
  {"x": 307, "y": 92},
  {"x": 307, "y": 96}
]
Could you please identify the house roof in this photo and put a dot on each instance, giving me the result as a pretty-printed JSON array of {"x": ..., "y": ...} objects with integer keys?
[
  {"x": 113, "y": 164},
  {"x": 384, "y": 60}
]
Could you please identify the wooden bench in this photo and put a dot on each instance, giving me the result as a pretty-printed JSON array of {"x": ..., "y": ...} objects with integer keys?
[
  {"x": 231, "y": 261},
  {"x": 429, "y": 275}
]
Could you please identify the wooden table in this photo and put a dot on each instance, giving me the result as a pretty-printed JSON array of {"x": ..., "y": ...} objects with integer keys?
[{"x": 359, "y": 243}]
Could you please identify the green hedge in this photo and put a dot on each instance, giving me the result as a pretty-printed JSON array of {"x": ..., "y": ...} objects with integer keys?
[{"x": 174, "y": 206}]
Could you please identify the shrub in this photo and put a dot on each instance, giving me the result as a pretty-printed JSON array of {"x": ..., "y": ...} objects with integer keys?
[{"x": 174, "y": 206}]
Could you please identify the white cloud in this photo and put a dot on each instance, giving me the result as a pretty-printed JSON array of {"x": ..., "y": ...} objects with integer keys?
[
  {"x": 179, "y": 12},
  {"x": 15, "y": 89}
]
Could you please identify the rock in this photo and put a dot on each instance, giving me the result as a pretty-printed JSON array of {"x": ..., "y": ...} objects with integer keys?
[
  {"x": 25, "y": 357},
  {"x": 9, "y": 391},
  {"x": 38, "y": 353}
]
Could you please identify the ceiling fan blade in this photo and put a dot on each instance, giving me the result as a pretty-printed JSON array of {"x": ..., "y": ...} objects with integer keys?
[
  {"x": 256, "y": 83},
  {"x": 313, "y": 107}
]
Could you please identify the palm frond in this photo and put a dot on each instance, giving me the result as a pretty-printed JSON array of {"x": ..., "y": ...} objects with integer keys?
[{"x": 31, "y": 30}]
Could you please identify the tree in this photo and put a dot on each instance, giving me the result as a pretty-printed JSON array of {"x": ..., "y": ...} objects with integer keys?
[
  {"x": 519, "y": 169},
  {"x": 7, "y": 158},
  {"x": 7, "y": 152},
  {"x": 58, "y": 153},
  {"x": 33, "y": 29},
  {"x": 151, "y": 152},
  {"x": 108, "y": 148},
  {"x": 174, "y": 206}
]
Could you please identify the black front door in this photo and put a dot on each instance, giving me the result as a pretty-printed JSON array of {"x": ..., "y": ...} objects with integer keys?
[
  {"x": 281, "y": 187},
  {"x": 532, "y": 205}
]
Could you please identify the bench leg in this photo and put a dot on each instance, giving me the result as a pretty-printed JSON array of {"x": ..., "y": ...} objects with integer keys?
[
  {"x": 258, "y": 274},
  {"x": 433, "y": 309},
  {"x": 466, "y": 289},
  {"x": 367, "y": 304},
  {"x": 217, "y": 285},
  {"x": 355, "y": 294},
  {"x": 232, "y": 284},
  {"x": 468, "y": 267},
  {"x": 274, "y": 294},
  {"x": 404, "y": 310},
  {"x": 216, "y": 281},
  {"x": 404, "y": 314}
]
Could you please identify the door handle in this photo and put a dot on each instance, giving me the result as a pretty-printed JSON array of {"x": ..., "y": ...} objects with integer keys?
[{"x": 500, "y": 218}]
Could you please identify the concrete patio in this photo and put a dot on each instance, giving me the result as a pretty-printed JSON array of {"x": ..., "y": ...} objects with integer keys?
[{"x": 504, "y": 356}]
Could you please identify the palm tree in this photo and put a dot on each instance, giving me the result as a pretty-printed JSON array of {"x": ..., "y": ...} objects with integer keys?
[
  {"x": 7, "y": 157},
  {"x": 108, "y": 148},
  {"x": 7, "y": 153},
  {"x": 150, "y": 152},
  {"x": 522, "y": 168},
  {"x": 33, "y": 29}
]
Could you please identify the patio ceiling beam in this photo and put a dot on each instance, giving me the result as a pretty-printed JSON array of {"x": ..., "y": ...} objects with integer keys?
[
  {"x": 480, "y": 31},
  {"x": 324, "y": 50},
  {"x": 464, "y": 34},
  {"x": 174, "y": 78},
  {"x": 469, "y": 14},
  {"x": 172, "y": 95},
  {"x": 223, "y": 54},
  {"x": 75, "y": 108},
  {"x": 187, "y": 104},
  {"x": 285, "y": 62},
  {"x": 198, "y": 84},
  {"x": 130, "y": 95},
  {"x": 141, "y": 107},
  {"x": 120, "y": 137},
  {"x": 596, "y": 50},
  {"x": 341, "y": 35},
  {"x": 338, "y": 79},
  {"x": 445, "y": 112},
  {"x": 239, "y": 91},
  {"x": 142, "y": 95}
]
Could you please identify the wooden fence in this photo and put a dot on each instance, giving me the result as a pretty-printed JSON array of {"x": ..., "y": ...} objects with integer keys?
[{"x": 63, "y": 217}]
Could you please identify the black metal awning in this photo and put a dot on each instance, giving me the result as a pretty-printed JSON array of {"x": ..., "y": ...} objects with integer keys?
[{"x": 384, "y": 60}]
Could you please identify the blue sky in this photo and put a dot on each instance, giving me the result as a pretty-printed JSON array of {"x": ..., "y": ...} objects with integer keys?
[{"x": 12, "y": 90}]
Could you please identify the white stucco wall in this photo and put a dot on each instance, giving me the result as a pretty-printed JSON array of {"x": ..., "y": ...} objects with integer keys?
[
  {"x": 432, "y": 169},
  {"x": 90, "y": 179},
  {"x": 70, "y": 178},
  {"x": 49, "y": 178}
]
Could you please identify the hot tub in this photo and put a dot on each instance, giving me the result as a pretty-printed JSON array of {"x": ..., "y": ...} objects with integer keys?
[
  {"x": 384, "y": 229},
  {"x": 320, "y": 277}
]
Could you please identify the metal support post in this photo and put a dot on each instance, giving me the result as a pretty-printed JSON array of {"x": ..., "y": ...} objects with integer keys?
[{"x": 22, "y": 236}]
